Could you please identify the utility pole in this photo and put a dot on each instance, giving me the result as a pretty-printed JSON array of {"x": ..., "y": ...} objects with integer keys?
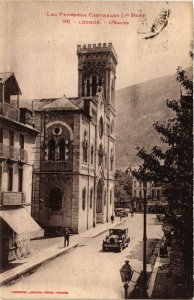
[{"x": 144, "y": 240}]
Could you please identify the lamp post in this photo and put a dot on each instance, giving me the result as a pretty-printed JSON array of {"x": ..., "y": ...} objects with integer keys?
[
  {"x": 144, "y": 239},
  {"x": 126, "y": 275}
]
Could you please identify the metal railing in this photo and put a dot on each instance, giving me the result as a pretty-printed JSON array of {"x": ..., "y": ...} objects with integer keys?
[
  {"x": 9, "y": 152},
  {"x": 9, "y": 111}
]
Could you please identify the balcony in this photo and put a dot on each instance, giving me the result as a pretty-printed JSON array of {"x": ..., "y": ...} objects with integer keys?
[
  {"x": 23, "y": 156},
  {"x": 9, "y": 111},
  {"x": 14, "y": 154}
]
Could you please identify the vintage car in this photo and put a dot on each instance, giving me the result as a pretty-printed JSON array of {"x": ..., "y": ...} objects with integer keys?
[
  {"x": 116, "y": 240},
  {"x": 121, "y": 212}
]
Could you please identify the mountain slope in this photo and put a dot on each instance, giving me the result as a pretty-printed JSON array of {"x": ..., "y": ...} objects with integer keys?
[{"x": 137, "y": 107}]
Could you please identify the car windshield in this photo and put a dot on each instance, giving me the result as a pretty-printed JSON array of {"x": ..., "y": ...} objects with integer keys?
[{"x": 117, "y": 231}]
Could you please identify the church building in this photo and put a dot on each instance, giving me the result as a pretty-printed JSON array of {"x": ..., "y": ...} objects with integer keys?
[{"x": 74, "y": 169}]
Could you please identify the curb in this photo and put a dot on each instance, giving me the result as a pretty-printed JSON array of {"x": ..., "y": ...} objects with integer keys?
[
  {"x": 29, "y": 268},
  {"x": 153, "y": 274}
]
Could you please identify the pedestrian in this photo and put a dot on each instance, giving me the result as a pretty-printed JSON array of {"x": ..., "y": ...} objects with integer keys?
[{"x": 66, "y": 237}]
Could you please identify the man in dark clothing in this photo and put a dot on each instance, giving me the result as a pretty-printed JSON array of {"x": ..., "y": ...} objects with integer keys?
[{"x": 66, "y": 237}]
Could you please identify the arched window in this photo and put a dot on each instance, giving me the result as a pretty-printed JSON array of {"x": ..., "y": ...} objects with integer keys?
[
  {"x": 112, "y": 127},
  {"x": 101, "y": 127},
  {"x": 84, "y": 198},
  {"x": 111, "y": 159},
  {"x": 61, "y": 150},
  {"x": 51, "y": 149},
  {"x": 94, "y": 85},
  {"x": 111, "y": 197},
  {"x": 99, "y": 196},
  {"x": 55, "y": 198},
  {"x": 91, "y": 197},
  {"x": 100, "y": 155},
  {"x": 105, "y": 197},
  {"x": 83, "y": 87},
  {"x": 92, "y": 155},
  {"x": 85, "y": 147},
  {"x": 112, "y": 91},
  {"x": 105, "y": 160},
  {"x": 88, "y": 87}
]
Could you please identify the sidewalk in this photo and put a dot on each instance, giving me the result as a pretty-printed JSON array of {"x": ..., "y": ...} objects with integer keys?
[
  {"x": 43, "y": 250},
  {"x": 167, "y": 282}
]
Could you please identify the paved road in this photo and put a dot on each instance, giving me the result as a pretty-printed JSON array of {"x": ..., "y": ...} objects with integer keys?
[{"x": 86, "y": 272}]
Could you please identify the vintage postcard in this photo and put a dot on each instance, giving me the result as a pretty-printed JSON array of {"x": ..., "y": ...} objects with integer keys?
[{"x": 96, "y": 150}]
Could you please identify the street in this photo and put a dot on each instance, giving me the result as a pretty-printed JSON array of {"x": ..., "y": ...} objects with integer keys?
[{"x": 86, "y": 272}]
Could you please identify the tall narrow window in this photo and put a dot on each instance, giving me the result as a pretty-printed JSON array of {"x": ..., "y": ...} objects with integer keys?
[
  {"x": 91, "y": 197},
  {"x": 88, "y": 87},
  {"x": 94, "y": 85},
  {"x": 92, "y": 155},
  {"x": 112, "y": 91},
  {"x": 111, "y": 197},
  {"x": 11, "y": 138},
  {"x": 135, "y": 194},
  {"x": 20, "y": 179},
  {"x": 85, "y": 147},
  {"x": 84, "y": 198},
  {"x": 100, "y": 155},
  {"x": 83, "y": 88},
  {"x": 111, "y": 160},
  {"x": 105, "y": 160},
  {"x": 152, "y": 193},
  {"x": 1, "y": 135},
  {"x": 105, "y": 197},
  {"x": 140, "y": 194},
  {"x": 61, "y": 150},
  {"x": 51, "y": 149},
  {"x": 112, "y": 127},
  {"x": 10, "y": 178},
  {"x": 158, "y": 194},
  {"x": 21, "y": 141}
]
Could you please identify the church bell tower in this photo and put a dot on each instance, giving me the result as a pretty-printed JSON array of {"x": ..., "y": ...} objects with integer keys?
[{"x": 96, "y": 71}]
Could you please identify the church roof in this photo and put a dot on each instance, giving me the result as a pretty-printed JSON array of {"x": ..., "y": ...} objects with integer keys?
[
  {"x": 78, "y": 102},
  {"x": 62, "y": 103}
]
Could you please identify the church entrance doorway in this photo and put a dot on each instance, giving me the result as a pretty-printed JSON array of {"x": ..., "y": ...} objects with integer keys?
[{"x": 55, "y": 198}]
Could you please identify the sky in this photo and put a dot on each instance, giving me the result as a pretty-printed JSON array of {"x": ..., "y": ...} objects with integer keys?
[{"x": 41, "y": 50}]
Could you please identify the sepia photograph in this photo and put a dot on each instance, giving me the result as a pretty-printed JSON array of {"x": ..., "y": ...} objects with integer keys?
[{"x": 96, "y": 149}]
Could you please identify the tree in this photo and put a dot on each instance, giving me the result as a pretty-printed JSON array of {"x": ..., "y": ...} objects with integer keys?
[
  {"x": 174, "y": 169},
  {"x": 123, "y": 186}
]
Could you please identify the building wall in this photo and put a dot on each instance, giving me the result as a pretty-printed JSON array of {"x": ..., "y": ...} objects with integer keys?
[
  {"x": 29, "y": 141},
  {"x": 92, "y": 130}
]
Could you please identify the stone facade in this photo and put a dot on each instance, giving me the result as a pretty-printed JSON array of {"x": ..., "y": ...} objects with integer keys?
[{"x": 75, "y": 159}]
